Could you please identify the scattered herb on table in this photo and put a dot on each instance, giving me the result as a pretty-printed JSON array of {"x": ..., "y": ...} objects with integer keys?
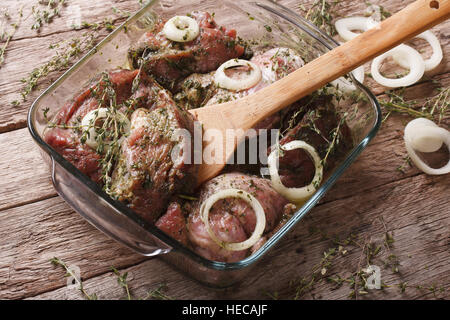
[
  {"x": 321, "y": 14},
  {"x": 121, "y": 280},
  {"x": 69, "y": 273},
  {"x": 158, "y": 293},
  {"x": 65, "y": 52},
  {"x": 8, "y": 35},
  {"x": 46, "y": 14}
]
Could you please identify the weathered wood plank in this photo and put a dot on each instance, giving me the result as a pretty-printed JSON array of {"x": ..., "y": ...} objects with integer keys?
[
  {"x": 370, "y": 171},
  {"x": 24, "y": 177},
  {"x": 28, "y": 52},
  {"x": 416, "y": 211},
  {"x": 414, "y": 206},
  {"x": 37, "y": 232},
  {"x": 72, "y": 13}
]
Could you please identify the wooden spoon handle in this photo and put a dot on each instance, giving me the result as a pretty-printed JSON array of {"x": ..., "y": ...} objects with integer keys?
[{"x": 407, "y": 23}]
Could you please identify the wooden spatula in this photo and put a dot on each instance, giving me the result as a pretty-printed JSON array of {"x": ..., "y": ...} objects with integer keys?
[{"x": 246, "y": 112}]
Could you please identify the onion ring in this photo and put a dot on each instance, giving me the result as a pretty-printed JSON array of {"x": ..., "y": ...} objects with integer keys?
[
  {"x": 346, "y": 85},
  {"x": 224, "y": 81},
  {"x": 181, "y": 29},
  {"x": 425, "y": 136},
  {"x": 415, "y": 63},
  {"x": 435, "y": 58},
  {"x": 295, "y": 194},
  {"x": 91, "y": 117},
  {"x": 345, "y": 25},
  {"x": 252, "y": 201}
]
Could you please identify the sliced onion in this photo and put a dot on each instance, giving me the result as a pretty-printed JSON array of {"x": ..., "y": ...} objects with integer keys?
[
  {"x": 345, "y": 85},
  {"x": 295, "y": 194},
  {"x": 435, "y": 58},
  {"x": 418, "y": 140},
  {"x": 181, "y": 29},
  {"x": 345, "y": 25},
  {"x": 415, "y": 64},
  {"x": 425, "y": 136},
  {"x": 224, "y": 81},
  {"x": 252, "y": 201},
  {"x": 91, "y": 118}
]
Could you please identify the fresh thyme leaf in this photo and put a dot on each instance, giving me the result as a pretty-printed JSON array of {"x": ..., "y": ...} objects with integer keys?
[
  {"x": 8, "y": 36},
  {"x": 434, "y": 108},
  {"x": 65, "y": 52},
  {"x": 47, "y": 14},
  {"x": 122, "y": 281},
  {"x": 158, "y": 293},
  {"x": 58, "y": 262},
  {"x": 321, "y": 14}
]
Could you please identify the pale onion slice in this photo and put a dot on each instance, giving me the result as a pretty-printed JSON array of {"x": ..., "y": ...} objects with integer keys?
[
  {"x": 345, "y": 85},
  {"x": 251, "y": 79},
  {"x": 418, "y": 141},
  {"x": 252, "y": 201},
  {"x": 181, "y": 29},
  {"x": 415, "y": 64},
  {"x": 88, "y": 123},
  {"x": 425, "y": 136},
  {"x": 345, "y": 25},
  {"x": 295, "y": 194},
  {"x": 435, "y": 58}
]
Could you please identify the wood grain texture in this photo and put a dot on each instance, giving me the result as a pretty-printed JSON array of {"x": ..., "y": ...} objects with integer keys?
[
  {"x": 40, "y": 231},
  {"x": 51, "y": 228},
  {"x": 24, "y": 177},
  {"x": 420, "y": 245},
  {"x": 37, "y": 225},
  {"x": 32, "y": 49}
]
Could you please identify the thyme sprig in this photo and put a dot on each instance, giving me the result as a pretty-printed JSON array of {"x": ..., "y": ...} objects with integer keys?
[
  {"x": 434, "y": 108},
  {"x": 47, "y": 14},
  {"x": 321, "y": 14},
  {"x": 336, "y": 134},
  {"x": 370, "y": 251},
  {"x": 158, "y": 293},
  {"x": 69, "y": 273},
  {"x": 396, "y": 102},
  {"x": 8, "y": 35},
  {"x": 439, "y": 103},
  {"x": 65, "y": 52},
  {"x": 110, "y": 132},
  {"x": 122, "y": 281}
]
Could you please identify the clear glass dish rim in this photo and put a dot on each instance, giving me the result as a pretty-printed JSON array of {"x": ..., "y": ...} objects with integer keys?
[{"x": 314, "y": 32}]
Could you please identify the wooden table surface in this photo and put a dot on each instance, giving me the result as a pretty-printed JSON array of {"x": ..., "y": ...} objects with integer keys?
[{"x": 371, "y": 199}]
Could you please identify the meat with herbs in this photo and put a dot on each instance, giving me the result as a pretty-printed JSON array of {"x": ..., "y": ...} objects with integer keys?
[
  {"x": 65, "y": 134},
  {"x": 168, "y": 61},
  {"x": 233, "y": 220},
  {"x": 155, "y": 159}
]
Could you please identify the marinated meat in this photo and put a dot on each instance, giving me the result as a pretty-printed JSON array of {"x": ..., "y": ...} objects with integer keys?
[
  {"x": 169, "y": 61},
  {"x": 66, "y": 140},
  {"x": 199, "y": 90},
  {"x": 317, "y": 128},
  {"x": 274, "y": 64},
  {"x": 233, "y": 220},
  {"x": 173, "y": 222},
  {"x": 146, "y": 174},
  {"x": 150, "y": 166},
  {"x": 155, "y": 163}
]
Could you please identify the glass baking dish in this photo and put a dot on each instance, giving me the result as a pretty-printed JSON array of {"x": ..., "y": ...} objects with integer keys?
[{"x": 252, "y": 20}]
